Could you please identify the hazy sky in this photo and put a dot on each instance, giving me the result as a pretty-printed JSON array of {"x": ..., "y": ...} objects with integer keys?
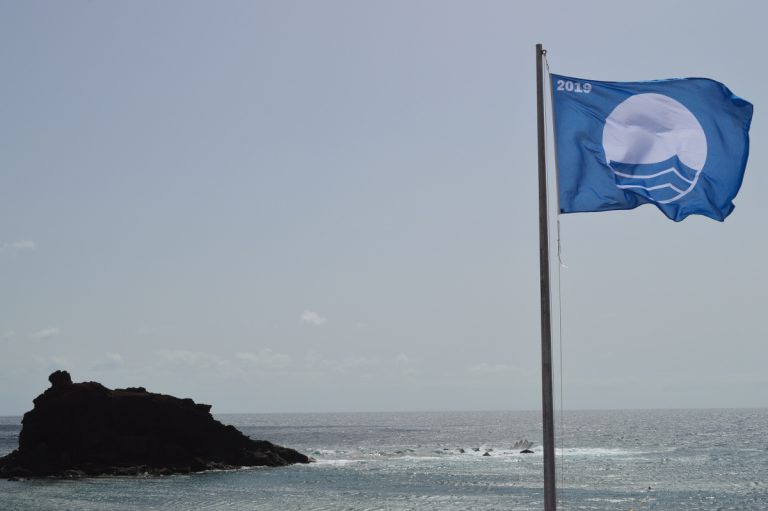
[{"x": 331, "y": 206}]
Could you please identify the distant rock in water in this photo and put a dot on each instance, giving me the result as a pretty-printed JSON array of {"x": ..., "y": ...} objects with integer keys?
[
  {"x": 523, "y": 444},
  {"x": 88, "y": 429}
]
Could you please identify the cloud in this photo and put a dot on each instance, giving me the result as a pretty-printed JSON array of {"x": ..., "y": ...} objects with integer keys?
[
  {"x": 191, "y": 358},
  {"x": 53, "y": 363},
  {"x": 354, "y": 361},
  {"x": 110, "y": 361},
  {"x": 20, "y": 245},
  {"x": 45, "y": 333},
  {"x": 184, "y": 361},
  {"x": 402, "y": 358},
  {"x": 316, "y": 362},
  {"x": 266, "y": 359},
  {"x": 405, "y": 365},
  {"x": 113, "y": 357},
  {"x": 313, "y": 318},
  {"x": 8, "y": 334}
]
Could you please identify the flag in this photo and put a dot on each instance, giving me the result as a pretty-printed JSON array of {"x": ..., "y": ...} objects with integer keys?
[{"x": 680, "y": 144}]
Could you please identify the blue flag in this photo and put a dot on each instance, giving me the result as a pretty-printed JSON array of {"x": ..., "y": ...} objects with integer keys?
[{"x": 681, "y": 144}]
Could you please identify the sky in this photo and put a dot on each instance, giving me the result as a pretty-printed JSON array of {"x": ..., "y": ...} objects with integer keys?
[{"x": 296, "y": 206}]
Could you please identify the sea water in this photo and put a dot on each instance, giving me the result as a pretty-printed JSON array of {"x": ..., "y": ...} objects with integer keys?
[{"x": 675, "y": 460}]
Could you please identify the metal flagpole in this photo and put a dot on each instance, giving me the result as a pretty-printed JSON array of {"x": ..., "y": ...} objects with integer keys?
[{"x": 548, "y": 423}]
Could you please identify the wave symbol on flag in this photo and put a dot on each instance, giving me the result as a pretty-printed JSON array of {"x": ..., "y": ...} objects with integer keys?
[{"x": 655, "y": 146}]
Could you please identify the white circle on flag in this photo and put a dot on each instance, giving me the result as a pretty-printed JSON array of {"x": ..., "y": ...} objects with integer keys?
[{"x": 648, "y": 129}]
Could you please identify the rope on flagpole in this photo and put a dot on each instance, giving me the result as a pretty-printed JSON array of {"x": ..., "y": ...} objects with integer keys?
[
  {"x": 560, "y": 355},
  {"x": 560, "y": 266},
  {"x": 560, "y": 246}
]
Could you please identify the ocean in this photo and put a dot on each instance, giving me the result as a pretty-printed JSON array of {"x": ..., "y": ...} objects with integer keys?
[{"x": 675, "y": 460}]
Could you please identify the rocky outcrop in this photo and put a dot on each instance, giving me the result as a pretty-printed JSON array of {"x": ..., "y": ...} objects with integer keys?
[{"x": 88, "y": 429}]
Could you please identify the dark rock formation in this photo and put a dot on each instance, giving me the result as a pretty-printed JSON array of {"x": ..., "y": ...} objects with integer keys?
[
  {"x": 526, "y": 451},
  {"x": 60, "y": 379},
  {"x": 85, "y": 428}
]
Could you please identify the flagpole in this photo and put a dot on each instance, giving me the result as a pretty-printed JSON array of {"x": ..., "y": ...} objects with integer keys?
[{"x": 548, "y": 423}]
